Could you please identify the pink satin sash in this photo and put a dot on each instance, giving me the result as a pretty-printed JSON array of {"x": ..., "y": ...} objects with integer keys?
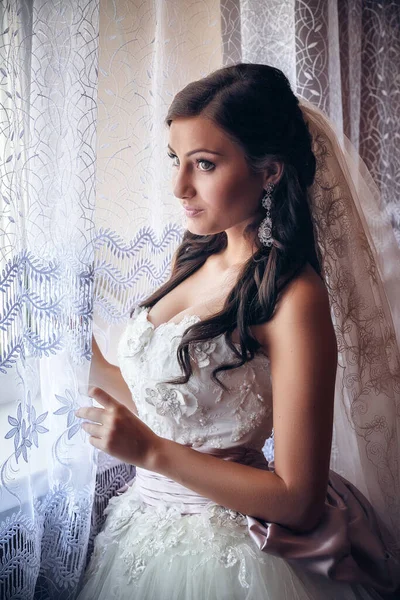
[
  {"x": 156, "y": 489},
  {"x": 346, "y": 545}
]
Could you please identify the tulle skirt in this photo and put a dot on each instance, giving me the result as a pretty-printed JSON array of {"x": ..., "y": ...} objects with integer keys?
[{"x": 157, "y": 553}]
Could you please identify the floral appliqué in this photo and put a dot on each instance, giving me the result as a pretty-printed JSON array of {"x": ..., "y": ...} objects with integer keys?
[
  {"x": 170, "y": 401},
  {"x": 225, "y": 517},
  {"x": 200, "y": 352},
  {"x": 138, "y": 334},
  {"x": 217, "y": 535},
  {"x": 250, "y": 408}
]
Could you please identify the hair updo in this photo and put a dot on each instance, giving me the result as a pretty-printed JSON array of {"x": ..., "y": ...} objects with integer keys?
[{"x": 256, "y": 107}]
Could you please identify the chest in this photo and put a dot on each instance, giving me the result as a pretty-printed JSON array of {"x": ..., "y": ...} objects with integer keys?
[{"x": 203, "y": 294}]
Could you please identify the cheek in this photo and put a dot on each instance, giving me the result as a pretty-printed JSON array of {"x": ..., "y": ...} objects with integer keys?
[
  {"x": 235, "y": 194},
  {"x": 224, "y": 190}
]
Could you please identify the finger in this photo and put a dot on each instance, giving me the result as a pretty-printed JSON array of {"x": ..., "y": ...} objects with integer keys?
[
  {"x": 91, "y": 413},
  {"x": 97, "y": 443},
  {"x": 102, "y": 397},
  {"x": 92, "y": 429}
]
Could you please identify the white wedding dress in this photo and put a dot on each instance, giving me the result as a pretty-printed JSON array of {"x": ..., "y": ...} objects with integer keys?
[{"x": 162, "y": 541}]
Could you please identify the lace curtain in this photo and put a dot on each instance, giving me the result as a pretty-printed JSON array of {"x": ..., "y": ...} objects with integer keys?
[
  {"x": 48, "y": 95},
  {"x": 89, "y": 223}
]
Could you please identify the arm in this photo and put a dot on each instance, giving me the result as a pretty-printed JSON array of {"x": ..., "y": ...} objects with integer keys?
[
  {"x": 107, "y": 376},
  {"x": 303, "y": 353}
]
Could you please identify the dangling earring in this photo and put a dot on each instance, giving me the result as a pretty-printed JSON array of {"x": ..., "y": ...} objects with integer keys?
[{"x": 264, "y": 231}]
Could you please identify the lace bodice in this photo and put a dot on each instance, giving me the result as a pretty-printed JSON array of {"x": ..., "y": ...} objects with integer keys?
[{"x": 199, "y": 413}]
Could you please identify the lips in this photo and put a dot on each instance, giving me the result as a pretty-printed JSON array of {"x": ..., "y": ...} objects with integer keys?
[{"x": 193, "y": 212}]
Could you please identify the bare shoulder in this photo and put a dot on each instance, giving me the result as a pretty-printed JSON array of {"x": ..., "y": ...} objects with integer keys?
[
  {"x": 305, "y": 299},
  {"x": 302, "y": 298}
]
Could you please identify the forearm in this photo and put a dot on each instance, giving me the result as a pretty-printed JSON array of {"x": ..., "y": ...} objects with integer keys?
[
  {"x": 251, "y": 491},
  {"x": 109, "y": 378}
]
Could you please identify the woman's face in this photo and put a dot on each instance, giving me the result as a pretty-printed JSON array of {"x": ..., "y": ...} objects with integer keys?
[{"x": 210, "y": 173}]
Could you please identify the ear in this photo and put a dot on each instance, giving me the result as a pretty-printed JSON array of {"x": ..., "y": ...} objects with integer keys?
[{"x": 273, "y": 173}]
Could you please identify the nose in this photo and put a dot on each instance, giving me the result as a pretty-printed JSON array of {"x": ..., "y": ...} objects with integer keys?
[{"x": 182, "y": 184}]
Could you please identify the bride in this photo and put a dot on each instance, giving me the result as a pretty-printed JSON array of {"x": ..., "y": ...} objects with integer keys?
[{"x": 258, "y": 331}]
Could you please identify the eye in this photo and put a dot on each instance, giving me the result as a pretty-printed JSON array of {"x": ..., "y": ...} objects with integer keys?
[
  {"x": 172, "y": 156},
  {"x": 198, "y": 161},
  {"x": 203, "y": 160}
]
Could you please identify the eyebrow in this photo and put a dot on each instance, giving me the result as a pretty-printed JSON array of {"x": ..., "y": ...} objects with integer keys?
[{"x": 198, "y": 150}]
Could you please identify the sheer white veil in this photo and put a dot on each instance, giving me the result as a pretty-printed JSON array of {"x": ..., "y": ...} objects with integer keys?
[{"x": 360, "y": 262}]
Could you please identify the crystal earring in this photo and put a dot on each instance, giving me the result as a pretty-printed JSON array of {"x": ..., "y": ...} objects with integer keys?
[{"x": 264, "y": 231}]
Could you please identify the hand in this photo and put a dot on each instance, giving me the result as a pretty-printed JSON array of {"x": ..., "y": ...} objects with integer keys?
[{"x": 117, "y": 431}]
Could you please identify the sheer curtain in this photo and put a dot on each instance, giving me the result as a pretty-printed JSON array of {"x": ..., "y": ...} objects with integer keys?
[
  {"x": 48, "y": 91},
  {"x": 89, "y": 222}
]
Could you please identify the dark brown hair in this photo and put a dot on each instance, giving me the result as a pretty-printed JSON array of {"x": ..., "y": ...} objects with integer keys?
[{"x": 255, "y": 106}]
